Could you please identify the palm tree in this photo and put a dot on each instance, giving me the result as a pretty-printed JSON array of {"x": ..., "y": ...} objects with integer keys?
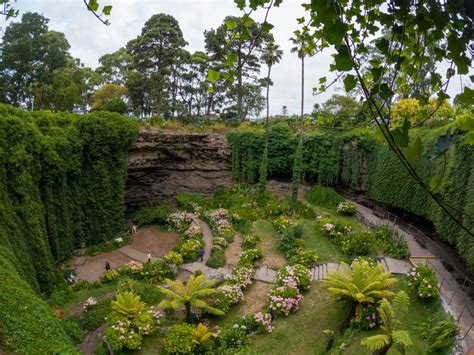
[
  {"x": 127, "y": 304},
  {"x": 271, "y": 55},
  {"x": 301, "y": 49},
  {"x": 191, "y": 294},
  {"x": 381, "y": 343},
  {"x": 363, "y": 283}
]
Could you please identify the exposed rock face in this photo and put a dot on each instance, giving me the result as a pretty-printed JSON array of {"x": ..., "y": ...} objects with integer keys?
[{"x": 162, "y": 164}]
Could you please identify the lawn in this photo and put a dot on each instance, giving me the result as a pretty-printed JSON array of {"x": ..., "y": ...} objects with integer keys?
[
  {"x": 315, "y": 239},
  {"x": 302, "y": 332},
  {"x": 272, "y": 257}
]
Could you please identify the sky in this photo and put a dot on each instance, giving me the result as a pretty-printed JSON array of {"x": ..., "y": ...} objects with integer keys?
[{"x": 90, "y": 39}]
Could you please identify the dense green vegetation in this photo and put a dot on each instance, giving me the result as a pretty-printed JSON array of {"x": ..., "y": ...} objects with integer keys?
[
  {"x": 358, "y": 159},
  {"x": 61, "y": 188}
]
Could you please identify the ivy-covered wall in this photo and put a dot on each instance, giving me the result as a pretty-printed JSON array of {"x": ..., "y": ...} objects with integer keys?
[
  {"x": 361, "y": 160},
  {"x": 61, "y": 187}
]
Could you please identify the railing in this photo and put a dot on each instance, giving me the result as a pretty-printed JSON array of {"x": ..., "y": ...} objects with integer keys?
[{"x": 451, "y": 291}]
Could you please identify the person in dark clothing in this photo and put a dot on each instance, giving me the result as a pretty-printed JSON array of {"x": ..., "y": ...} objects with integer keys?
[
  {"x": 201, "y": 254},
  {"x": 107, "y": 265}
]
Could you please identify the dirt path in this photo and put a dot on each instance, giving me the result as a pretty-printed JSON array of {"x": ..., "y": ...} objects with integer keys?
[
  {"x": 89, "y": 343},
  {"x": 233, "y": 251},
  {"x": 147, "y": 240},
  {"x": 207, "y": 237}
]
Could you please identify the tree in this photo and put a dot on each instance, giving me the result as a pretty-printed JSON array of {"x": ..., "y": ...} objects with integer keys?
[
  {"x": 192, "y": 294},
  {"x": 114, "y": 67},
  {"x": 106, "y": 93},
  {"x": 154, "y": 52},
  {"x": 360, "y": 283},
  {"x": 271, "y": 55},
  {"x": 241, "y": 40},
  {"x": 392, "y": 336},
  {"x": 31, "y": 53},
  {"x": 339, "y": 111}
]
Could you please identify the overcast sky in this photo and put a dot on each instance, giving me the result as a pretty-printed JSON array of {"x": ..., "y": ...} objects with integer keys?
[{"x": 89, "y": 39}]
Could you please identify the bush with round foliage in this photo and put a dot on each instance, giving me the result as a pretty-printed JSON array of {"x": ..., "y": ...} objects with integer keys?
[
  {"x": 179, "y": 339},
  {"x": 116, "y": 105}
]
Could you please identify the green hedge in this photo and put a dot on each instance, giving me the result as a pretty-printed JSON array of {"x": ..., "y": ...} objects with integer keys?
[
  {"x": 360, "y": 160},
  {"x": 62, "y": 182}
]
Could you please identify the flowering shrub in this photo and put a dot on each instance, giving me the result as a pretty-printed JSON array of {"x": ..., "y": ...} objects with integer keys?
[
  {"x": 189, "y": 249},
  {"x": 178, "y": 221},
  {"x": 248, "y": 257},
  {"x": 242, "y": 276},
  {"x": 423, "y": 281},
  {"x": 250, "y": 241},
  {"x": 370, "y": 317},
  {"x": 219, "y": 243},
  {"x": 173, "y": 258},
  {"x": 294, "y": 276},
  {"x": 264, "y": 320},
  {"x": 284, "y": 299},
  {"x": 89, "y": 303},
  {"x": 127, "y": 334},
  {"x": 227, "y": 296},
  {"x": 346, "y": 208},
  {"x": 194, "y": 230},
  {"x": 233, "y": 337},
  {"x": 132, "y": 267}
]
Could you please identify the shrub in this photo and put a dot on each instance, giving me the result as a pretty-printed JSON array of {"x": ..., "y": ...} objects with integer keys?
[
  {"x": 154, "y": 214},
  {"x": 127, "y": 304},
  {"x": 295, "y": 274},
  {"x": 173, "y": 258},
  {"x": 370, "y": 318},
  {"x": 179, "y": 339},
  {"x": 157, "y": 271},
  {"x": 227, "y": 296},
  {"x": 202, "y": 339},
  {"x": 290, "y": 236},
  {"x": 187, "y": 202},
  {"x": 189, "y": 249},
  {"x": 358, "y": 244},
  {"x": 323, "y": 196},
  {"x": 391, "y": 242},
  {"x": 441, "y": 333},
  {"x": 303, "y": 257},
  {"x": 233, "y": 337},
  {"x": 127, "y": 284},
  {"x": 284, "y": 299},
  {"x": 216, "y": 259},
  {"x": 250, "y": 241},
  {"x": 246, "y": 323},
  {"x": 346, "y": 208},
  {"x": 264, "y": 320},
  {"x": 242, "y": 276},
  {"x": 94, "y": 317},
  {"x": 249, "y": 256},
  {"x": 108, "y": 276},
  {"x": 423, "y": 281}
]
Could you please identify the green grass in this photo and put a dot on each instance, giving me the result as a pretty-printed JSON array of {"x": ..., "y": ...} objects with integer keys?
[
  {"x": 272, "y": 257},
  {"x": 315, "y": 239},
  {"x": 302, "y": 332},
  {"x": 323, "y": 196}
]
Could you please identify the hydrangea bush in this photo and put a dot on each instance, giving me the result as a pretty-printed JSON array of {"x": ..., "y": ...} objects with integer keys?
[
  {"x": 264, "y": 320},
  {"x": 346, "y": 208},
  {"x": 423, "y": 281}
]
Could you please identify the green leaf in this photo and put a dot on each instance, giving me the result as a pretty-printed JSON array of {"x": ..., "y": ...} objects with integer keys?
[
  {"x": 467, "y": 96},
  {"x": 231, "y": 24},
  {"x": 267, "y": 27},
  {"x": 400, "y": 135},
  {"x": 212, "y": 75},
  {"x": 343, "y": 59},
  {"x": 350, "y": 82},
  {"x": 93, "y": 5},
  {"x": 240, "y": 4},
  {"x": 414, "y": 152},
  {"x": 322, "y": 80},
  {"x": 107, "y": 9},
  {"x": 444, "y": 142},
  {"x": 382, "y": 45},
  {"x": 434, "y": 183}
]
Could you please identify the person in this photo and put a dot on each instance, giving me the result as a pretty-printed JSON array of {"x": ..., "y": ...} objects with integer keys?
[
  {"x": 107, "y": 265},
  {"x": 71, "y": 278},
  {"x": 148, "y": 257},
  {"x": 134, "y": 229},
  {"x": 201, "y": 254}
]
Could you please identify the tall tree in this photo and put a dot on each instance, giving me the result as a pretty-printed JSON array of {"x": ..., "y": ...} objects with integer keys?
[
  {"x": 271, "y": 55},
  {"x": 115, "y": 66},
  {"x": 30, "y": 55},
  {"x": 154, "y": 53},
  {"x": 232, "y": 40}
]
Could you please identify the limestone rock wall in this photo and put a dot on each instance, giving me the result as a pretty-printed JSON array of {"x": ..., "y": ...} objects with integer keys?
[{"x": 162, "y": 164}]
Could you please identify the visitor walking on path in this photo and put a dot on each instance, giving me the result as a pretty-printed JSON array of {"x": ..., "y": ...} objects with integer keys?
[
  {"x": 201, "y": 254},
  {"x": 134, "y": 230},
  {"x": 107, "y": 265},
  {"x": 148, "y": 256}
]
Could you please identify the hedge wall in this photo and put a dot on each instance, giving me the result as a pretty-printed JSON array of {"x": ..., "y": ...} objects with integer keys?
[
  {"x": 361, "y": 160},
  {"x": 61, "y": 187}
]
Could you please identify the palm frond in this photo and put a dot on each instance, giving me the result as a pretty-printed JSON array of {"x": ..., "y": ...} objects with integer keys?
[{"x": 376, "y": 342}]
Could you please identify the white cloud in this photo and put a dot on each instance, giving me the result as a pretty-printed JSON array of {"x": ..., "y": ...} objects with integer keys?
[{"x": 90, "y": 39}]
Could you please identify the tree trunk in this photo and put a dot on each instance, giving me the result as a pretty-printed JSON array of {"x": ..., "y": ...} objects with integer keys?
[
  {"x": 302, "y": 99},
  {"x": 268, "y": 106},
  {"x": 344, "y": 324},
  {"x": 187, "y": 307},
  {"x": 239, "y": 87}
]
